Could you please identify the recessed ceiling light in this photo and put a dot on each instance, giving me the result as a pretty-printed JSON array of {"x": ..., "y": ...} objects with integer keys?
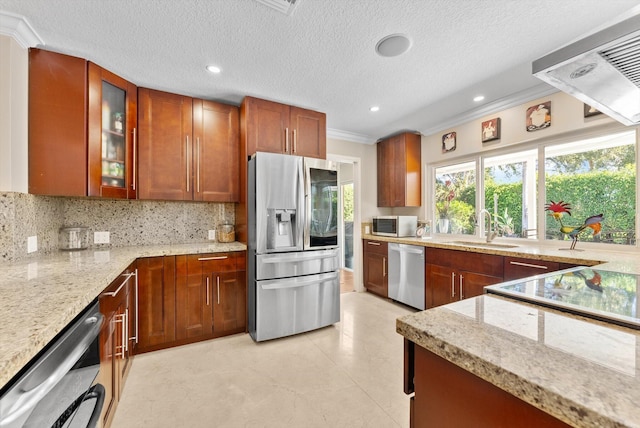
[
  {"x": 213, "y": 69},
  {"x": 374, "y": 108},
  {"x": 478, "y": 98},
  {"x": 393, "y": 45}
]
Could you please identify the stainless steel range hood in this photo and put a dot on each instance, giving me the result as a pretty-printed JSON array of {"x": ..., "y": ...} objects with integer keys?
[{"x": 602, "y": 70}]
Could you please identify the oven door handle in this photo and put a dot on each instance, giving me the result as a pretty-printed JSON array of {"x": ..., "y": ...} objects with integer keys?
[{"x": 68, "y": 350}]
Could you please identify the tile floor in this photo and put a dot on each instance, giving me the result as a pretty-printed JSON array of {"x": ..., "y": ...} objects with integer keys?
[
  {"x": 346, "y": 281},
  {"x": 345, "y": 375}
]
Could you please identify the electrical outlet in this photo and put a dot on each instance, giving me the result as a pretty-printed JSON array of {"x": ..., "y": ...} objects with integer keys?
[
  {"x": 212, "y": 234},
  {"x": 32, "y": 244},
  {"x": 100, "y": 237}
]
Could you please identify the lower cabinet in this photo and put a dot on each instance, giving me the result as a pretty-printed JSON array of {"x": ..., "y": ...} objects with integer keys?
[
  {"x": 189, "y": 298},
  {"x": 455, "y": 275},
  {"x": 117, "y": 304},
  {"x": 375, "y": 261}
]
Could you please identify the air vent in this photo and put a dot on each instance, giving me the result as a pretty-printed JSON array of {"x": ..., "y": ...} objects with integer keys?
[
  {"x": 285, "y": 6},
  {"x": 626, "y": 58}
]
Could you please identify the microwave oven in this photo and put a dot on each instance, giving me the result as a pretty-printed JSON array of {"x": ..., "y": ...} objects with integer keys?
[{"x": 395, "y": 225}]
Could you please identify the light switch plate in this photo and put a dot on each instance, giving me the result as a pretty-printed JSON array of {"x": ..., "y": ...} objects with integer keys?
[
  {"x": 212, "y": 234},
  {"x": 32, "y": 244},
  {"x": 100, "y": 237}
]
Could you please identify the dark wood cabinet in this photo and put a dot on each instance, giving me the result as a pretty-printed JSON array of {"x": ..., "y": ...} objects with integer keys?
[
  {"x": 112, "y": 126},
  {"x": 517, "y": 267},
  {"x": 57, "y": 124},
  {"x": 156, "y": 302},
  {"x": 375, "y": 261},
  {"x": 187, "y": 149},
  {"x": 452, "y": 275},
  {"x": 117, "y": 306},
  {"x": 230, "y": 297},
  {"x": 449, "y": 396},
  {"x": 399, "y": 171}
]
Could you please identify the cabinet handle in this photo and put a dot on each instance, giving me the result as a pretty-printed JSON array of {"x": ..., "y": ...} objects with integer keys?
[
  {"x": 453, "y": 284},
  {"x": 137, "y": 316},
  {"x": 529, "y": 265},
  {"x": 461, "y": 288},
  {"x": 186, "y": 149},
  {"x": 295, "y": 140},
  {"x": 208, "y": 284},
  {"x": 204, "y": 259},
  {"x": 198, "y": 165},
  {"x": 218, "y": 285},
  {"x": 135, "y": 153},
  {"x": 384, "y": 267},
  {"x": 286, "y": 140},
  {"x": 373, "y": 243},
  {"x": 126, "y": 329},
  {"x": 115, "y": 293},
  {"x": 120, "y": 319}
]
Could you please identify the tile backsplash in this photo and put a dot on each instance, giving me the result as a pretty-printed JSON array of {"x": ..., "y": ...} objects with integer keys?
[{"x": 128, "y": 222}]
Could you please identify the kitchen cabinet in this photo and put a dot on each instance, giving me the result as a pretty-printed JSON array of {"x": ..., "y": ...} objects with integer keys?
[
  {"x": 187, "y": 149},
  {"x": 280, "y": 128},
  {"x": 156, "y": 302},
  {"x": 57, "y": 124},
  {"x": 82, "y": 123},
  {"x": 455, "y": 275},
  {"x": 112, "y": 124},
  {"x": 448, "y": 395},
  {"x": 375, "y": 267},
  {"x": 117, "y": 306},
  {"x": 230, "y": 299},
  {"x": 399, "y": 171},
  {"x": 520, "y": 267}
]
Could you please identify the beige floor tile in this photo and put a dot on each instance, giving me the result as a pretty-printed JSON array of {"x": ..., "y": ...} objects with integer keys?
[{"x": 345, "y": 375}]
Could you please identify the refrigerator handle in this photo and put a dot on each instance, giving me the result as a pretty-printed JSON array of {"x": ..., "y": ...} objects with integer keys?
[
  {"x": 303, "y": 218},
  {"x": 293, "y": 284}
]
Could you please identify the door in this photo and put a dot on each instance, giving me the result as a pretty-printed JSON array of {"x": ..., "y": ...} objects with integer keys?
[
  {"x": 308, "y": 133},
  {"x": 267, "y": 126},
  {"x": 229, "y": 303},
  {"x": 375, "y": 273},
  {"x": 193, "y": 298},
  {"x": 440, "y": 285},
  {"x": 295, "y": 305},
  {"x": 157, "y": 311},
  {"x": 322, "y": 208},
  {"x": 347, "y": 216}
]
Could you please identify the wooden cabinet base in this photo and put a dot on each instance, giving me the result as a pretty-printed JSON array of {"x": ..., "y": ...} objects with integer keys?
[{"x": 449, "y": 396}]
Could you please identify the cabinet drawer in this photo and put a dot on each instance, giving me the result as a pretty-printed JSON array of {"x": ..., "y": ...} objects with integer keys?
[
  {"x": 378, "y": 247},
  {"x": 487, "y": 264},
  {"x": 517, "y": 267},
  {"x": 215, "y": 262}
]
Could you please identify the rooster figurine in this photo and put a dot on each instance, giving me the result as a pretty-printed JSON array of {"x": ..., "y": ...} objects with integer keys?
[{"x": 558, "y": 209}]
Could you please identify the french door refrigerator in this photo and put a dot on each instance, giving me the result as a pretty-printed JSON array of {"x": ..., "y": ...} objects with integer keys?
[{"x": 293, "y": 266}]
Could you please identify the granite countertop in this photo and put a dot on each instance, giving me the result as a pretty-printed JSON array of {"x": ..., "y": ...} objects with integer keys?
[
  {"x": 622, "y": 260},
  {"x": 40, "y": 296},
  {"x": 581, "y": 371}
]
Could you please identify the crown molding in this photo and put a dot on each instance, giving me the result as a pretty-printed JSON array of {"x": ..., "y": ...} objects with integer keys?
[
  {"x": 350, "y": 136},
  {"x": 513, "y": 100},
  {"x": 17, "y": 27}
]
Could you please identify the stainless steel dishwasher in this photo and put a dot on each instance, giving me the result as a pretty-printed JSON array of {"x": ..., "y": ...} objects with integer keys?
[{"x": 406, "y": 274}]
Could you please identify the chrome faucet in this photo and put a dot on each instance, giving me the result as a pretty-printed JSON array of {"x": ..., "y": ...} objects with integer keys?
[{"x": 490, "y": 233}]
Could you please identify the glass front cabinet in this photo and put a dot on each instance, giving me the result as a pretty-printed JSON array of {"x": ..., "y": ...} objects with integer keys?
[{"x": 112, "y": 135}]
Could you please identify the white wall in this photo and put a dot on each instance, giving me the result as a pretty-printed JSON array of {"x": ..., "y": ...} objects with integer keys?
[{"x": 14, "y": 78}]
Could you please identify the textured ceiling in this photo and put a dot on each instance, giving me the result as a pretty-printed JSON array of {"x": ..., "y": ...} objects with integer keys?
[{"x": 322, "y": 57}]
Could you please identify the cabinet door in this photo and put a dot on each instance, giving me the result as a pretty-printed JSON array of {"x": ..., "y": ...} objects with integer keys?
[
  {"x": 157, "y": 311},
  {"x": 57, "y": 124},
  {"x": 308, "y": 133},
  {"x": 193, "y": 298},
  {"x": 473, "y": 283},
  {"x": 165, "y": 149},
  {"x": 217, "y": 151},
  {"x": 441, "y": 285},
  {"x": 112, "y": 123},
  {"x": 229, "y": 303},
  {"x": 266, "y": 125},
  {"x": 375, "y": 273},
  {"x": 385, "y": 173},
  {"x": 108, "y": 370}
]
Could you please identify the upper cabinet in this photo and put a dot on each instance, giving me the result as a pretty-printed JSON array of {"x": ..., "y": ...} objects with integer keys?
[
  {"x": 82, "y": 122},
  {"x": 112, "y": 128},
  {"x": 57, "y": 124},
  {"x": 188, "y": 148},
  {"x": 399, "y": 171},
  {"x": 278, "y": 128}
]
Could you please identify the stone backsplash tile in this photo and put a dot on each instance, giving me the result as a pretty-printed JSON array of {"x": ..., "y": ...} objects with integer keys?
[{"x": 128, "y": 222}]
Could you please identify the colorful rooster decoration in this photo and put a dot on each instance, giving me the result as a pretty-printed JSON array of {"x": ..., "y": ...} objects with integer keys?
[{"x": 558, "y": 209}]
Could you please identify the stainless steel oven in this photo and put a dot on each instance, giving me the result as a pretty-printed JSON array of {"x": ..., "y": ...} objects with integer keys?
[{"x": 58, "y": 387}]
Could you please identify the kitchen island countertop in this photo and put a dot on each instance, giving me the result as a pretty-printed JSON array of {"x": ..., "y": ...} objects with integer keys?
[
  {"x": 583, "y": 372},
  {"x": 40, "y": 296}
]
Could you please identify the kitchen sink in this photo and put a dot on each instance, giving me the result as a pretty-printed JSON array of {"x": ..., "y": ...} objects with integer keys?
[{"x": 482, "y": 244}]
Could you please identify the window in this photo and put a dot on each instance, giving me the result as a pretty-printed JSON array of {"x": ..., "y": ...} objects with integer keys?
[
  {"x": 595, "y": 176},
  {"x": 455, "y": 198}
]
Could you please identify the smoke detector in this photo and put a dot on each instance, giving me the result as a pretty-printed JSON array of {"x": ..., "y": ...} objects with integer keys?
[{"x": 285, "y": 6}]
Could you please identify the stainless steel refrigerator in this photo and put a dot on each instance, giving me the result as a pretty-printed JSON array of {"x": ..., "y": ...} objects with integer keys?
[{"x": 293, "y": 266}]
